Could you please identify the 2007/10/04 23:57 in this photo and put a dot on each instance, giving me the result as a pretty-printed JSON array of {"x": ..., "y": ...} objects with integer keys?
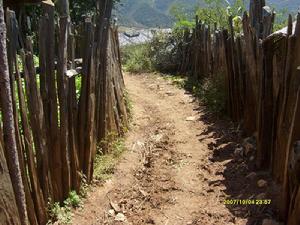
[{"x": 247, "y": 201}]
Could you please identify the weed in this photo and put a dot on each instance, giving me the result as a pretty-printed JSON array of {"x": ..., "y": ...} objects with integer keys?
[
  {"x": 62, "y": 213},
  {"x": 177, "y": 80},
  {"x": 84, "y": 187},
  {"x": 211, "y": 92},
  {"x": 73, "y": 200},
  {"x": 109, "y": 151}
]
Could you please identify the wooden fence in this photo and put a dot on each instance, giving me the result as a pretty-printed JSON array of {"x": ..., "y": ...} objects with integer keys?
[
  {"x": 61, "y": 110},
  {"x": 262, "y": 74}
]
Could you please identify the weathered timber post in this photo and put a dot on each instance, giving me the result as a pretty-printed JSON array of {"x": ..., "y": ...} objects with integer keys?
[
  {"x": 63, "y": 84},
  {"x": 10, "y": 144},
  {"x": 9, "y": 212},
  {"x": 49, "y": 95}
]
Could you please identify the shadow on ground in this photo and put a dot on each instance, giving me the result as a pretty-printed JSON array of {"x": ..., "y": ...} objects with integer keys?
[{"x": 240, "y": 174}]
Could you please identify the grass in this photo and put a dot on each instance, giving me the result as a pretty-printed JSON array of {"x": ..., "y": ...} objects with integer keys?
[
  {"x": 109, "y": 152},
  {"x": 177, "y": 80}
]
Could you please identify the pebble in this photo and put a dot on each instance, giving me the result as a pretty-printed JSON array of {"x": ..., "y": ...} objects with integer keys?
[
  {"x": 262, "y": 183},
  {"x": 111, "y": 212},
  {"x": 120, "y": 217},
  {"x": 191, "y": 118},
  {"x": 115, "y": 207},
  {"x": 169, "y": 93}
]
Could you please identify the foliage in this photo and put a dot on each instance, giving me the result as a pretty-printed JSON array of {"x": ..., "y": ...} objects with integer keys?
[
  {"x": 136, "y": 58},
  {"x": 210, "y": 91},
  {"x": 161, "y": 54},
  {"x": 184, "y": 20},
  {"x": 281, "y": 19},
  {"x": 109, "y": 151},
  {"x": 73, "y": 200},
  {"x": 63, "y": 213},
  {"x": 164, "y": 51},
  {"x": 60, "y": 214},
  {"x": 79, "y": 9},
  {"x": 216, "y": 12},
  {"x": 84, "y": 186}
]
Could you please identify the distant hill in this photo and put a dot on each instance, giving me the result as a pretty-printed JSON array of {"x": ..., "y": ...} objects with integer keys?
[
  {"x": 155, "y": 13},
  {"x": 292, "y": 5}
]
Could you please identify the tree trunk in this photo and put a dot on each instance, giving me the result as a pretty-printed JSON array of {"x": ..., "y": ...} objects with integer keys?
[{"x": 8, "y": 127}]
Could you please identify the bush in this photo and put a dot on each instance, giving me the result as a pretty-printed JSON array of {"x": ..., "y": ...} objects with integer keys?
[
  {"x": 136, "y": 58},
  {"x": 161, "y": 54},
  {"x": 211, "y": 91},
  {"x": 62, "y": 213},
  {"x": 165, "y": 52}
]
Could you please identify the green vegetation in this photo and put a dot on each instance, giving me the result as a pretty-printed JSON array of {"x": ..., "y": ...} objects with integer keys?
[
  {"x": 210, "y": 91},
  {"x": 136, "y": 58},
  {"x": 62, "y": 214},
  {"x": 281, "y": 19},
  {"x": 217, "y": 13},
  {"x": 161, "y": 54},
  {"x": 109, "y": 151}
]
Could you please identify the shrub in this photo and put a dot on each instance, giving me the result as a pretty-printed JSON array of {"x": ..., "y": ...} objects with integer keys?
[
  {"x": 211, "y": 91},
  {"x": 164, "y": 52},
  {"x": 136, "y": 58}
]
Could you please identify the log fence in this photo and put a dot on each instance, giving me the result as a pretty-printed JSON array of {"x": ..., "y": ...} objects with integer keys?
[
  {"x": 262, "y": 76},
  {"x": 60, "y": 115}
]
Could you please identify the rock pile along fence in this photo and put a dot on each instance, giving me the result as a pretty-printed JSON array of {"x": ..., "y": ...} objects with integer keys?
[
  {"x": 262, "y": 75},
  {"x": 57, "y": 109}
]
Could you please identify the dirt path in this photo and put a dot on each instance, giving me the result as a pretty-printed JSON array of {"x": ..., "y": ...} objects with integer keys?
[{"x": 179, "y": 167}]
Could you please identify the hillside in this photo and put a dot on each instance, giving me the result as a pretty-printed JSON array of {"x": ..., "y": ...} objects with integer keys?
[
  {"x": 149, "y": 13},
  {"x": 155, "y": 13}
]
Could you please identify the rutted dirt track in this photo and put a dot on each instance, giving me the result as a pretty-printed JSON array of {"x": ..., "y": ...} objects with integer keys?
[{"x": 179, "y": 167}]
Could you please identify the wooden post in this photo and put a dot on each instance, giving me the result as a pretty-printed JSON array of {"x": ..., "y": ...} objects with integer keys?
[
  {"x": 62, "y": 85},
  {"x": 10, "y": 144}
]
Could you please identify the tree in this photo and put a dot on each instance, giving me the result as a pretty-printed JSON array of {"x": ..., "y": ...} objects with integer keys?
[
  {"x": 216, "y": 12},
  {"x": 9, "y": 129}
]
